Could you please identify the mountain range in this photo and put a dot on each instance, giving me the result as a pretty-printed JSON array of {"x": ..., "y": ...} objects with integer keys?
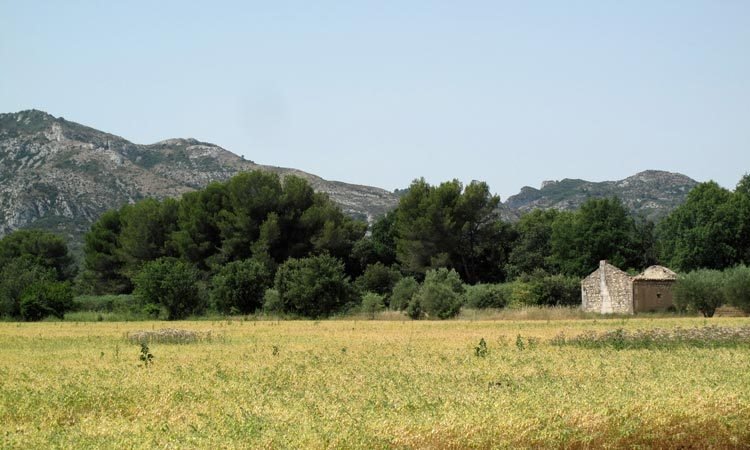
[
  {"x": 651, "y": 194},
  {"x": 60, "y": 175}
]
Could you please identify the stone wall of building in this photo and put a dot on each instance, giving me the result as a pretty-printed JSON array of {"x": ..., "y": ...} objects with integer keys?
[{"x": 607, "y": 290}]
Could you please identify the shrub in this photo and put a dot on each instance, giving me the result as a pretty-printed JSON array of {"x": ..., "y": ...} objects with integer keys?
[
  {"x": 380, "y": 279},
  {"x": 314, "y": 287},
  {"x": 272, "y": 301},
  {"x": 737, "y": 287},
  {"x": 46, "y": 299},
  {"x": 170, "y": 283},
  {"x": 414, "y": 308},
  {"x": 403, "y": 291},
  {"x": 700, "y": 290},
  {"x": 239, "y": 286},
  {"x": 555, "y": 290},
  {"x": 372, "y": 303},
  {"x": 481, "y": 349},
  {"x": 441, "y": 295},
  {"x": 487, "y": 295},
  {"x": 521, "y": 294},
  {"x": 16, "y": 277}
]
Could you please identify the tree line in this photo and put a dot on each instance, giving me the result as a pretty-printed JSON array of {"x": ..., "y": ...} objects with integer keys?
[{"x": 259, "y": 242}]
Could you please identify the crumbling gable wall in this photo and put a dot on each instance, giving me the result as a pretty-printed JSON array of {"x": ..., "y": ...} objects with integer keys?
[{"x": 607, "y": 290}]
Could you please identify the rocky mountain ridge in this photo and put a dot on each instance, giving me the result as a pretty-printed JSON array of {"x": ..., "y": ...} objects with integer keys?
[
  {"x": 60, "y": 175},
  {"x": 651, "y": 194}
]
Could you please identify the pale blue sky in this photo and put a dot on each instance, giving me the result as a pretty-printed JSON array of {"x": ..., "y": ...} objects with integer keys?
[{"x": 380, "y": 93}]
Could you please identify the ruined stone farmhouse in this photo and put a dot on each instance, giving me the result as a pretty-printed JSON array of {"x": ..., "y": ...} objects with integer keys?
[{"x": 609, "y": 290}]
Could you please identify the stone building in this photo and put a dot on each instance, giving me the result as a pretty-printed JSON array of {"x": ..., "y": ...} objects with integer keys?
[
  {"x": 610, "y": 290},
  {"x": 607, "y": 290},
  {"x": 652, "y": 289}
]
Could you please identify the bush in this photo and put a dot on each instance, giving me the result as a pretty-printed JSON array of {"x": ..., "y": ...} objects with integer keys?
[
  {"x": 482, "y": 296},
  {"x": 272, "y": 301},
  {"x": 170, "y": 283},
  {"x": 403, "y": 291},
  {"x": 46, "y": 299},
  {"x": 737, "y": 287},
  {"x": 380, "y": 279},
  {"x": 239, "y": 286},
  {"x": 441, "y": 295},
  {"x": 314, "y": 287},
  {"x": 521, "y": 294},
  {"x": 372, "y": 304},
  {"x": 555, "y": 290},
  {"x": 700, "y": 290},
  {"x": 16, "y": 278}
]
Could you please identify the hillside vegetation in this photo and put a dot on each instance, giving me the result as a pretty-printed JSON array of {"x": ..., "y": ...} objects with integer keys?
[
  {"x": 60, "y": 176},
  {"x": 260, "y": 244}
]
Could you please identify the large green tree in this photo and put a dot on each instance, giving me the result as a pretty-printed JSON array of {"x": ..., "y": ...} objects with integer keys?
[
  {"x": 704, "y": 232},
  {"x": 532, "y": 248},
  {"x": 379, "y": 246},
  {"x": 741, "y": 201},
  {"x": 251, "y": 197},
  {"x": 253, "y": 215},
  {"x": 42, "y": 248},
  {"x": 146, "y": 229},
  {"x": 35, "y": 269},
  {"x": 600, "y": 229},
  {"x": 449, "y": 226},
  {"x": 103, "y": 261},
  {"x": 198, "y": 237}
]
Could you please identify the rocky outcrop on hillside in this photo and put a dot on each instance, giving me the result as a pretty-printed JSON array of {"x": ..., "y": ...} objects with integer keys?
[
  {"x": 61, "y": 175},
  {"x": 652, "y": 194}
]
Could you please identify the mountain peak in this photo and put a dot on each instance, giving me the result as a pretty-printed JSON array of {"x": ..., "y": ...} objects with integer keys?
[
  {"x": 651, "y": 193},
  {"x": 30, "y": 120},
  {"x": 62, "y": 175}
]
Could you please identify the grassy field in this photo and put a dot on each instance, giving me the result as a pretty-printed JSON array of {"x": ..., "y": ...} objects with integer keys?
[{"x": 368, "y": 384}]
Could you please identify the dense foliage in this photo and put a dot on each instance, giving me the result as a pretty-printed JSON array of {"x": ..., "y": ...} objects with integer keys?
[
  {"x": 710, "y": 230},
  {"x": 452, "y": 226},
  {"x": 252, "y": 215},
  {"x": 379, "y": 279},
  {"x": 35, "y": 270},
  {"x": 600, "y": 229},
  {"x": 257, "y": 243},
  {"x": 169, "y": 284},
  {"x": 704, "y": 290},
  {"x": 316, "y": 286},
  {"x": 239, "y": 286},
  {"x": 700, "y": 291},
  {"x": 440, "y": 296}
]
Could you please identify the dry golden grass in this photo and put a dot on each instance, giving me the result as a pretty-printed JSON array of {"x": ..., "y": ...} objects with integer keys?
[{"x": 367, "y": 384}]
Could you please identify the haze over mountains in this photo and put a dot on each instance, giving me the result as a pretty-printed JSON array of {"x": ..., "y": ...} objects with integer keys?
[{"x": 60, "y": 175}]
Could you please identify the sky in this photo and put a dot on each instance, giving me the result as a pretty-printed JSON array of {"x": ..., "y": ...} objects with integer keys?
[{"x": 382, "y": 92}]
